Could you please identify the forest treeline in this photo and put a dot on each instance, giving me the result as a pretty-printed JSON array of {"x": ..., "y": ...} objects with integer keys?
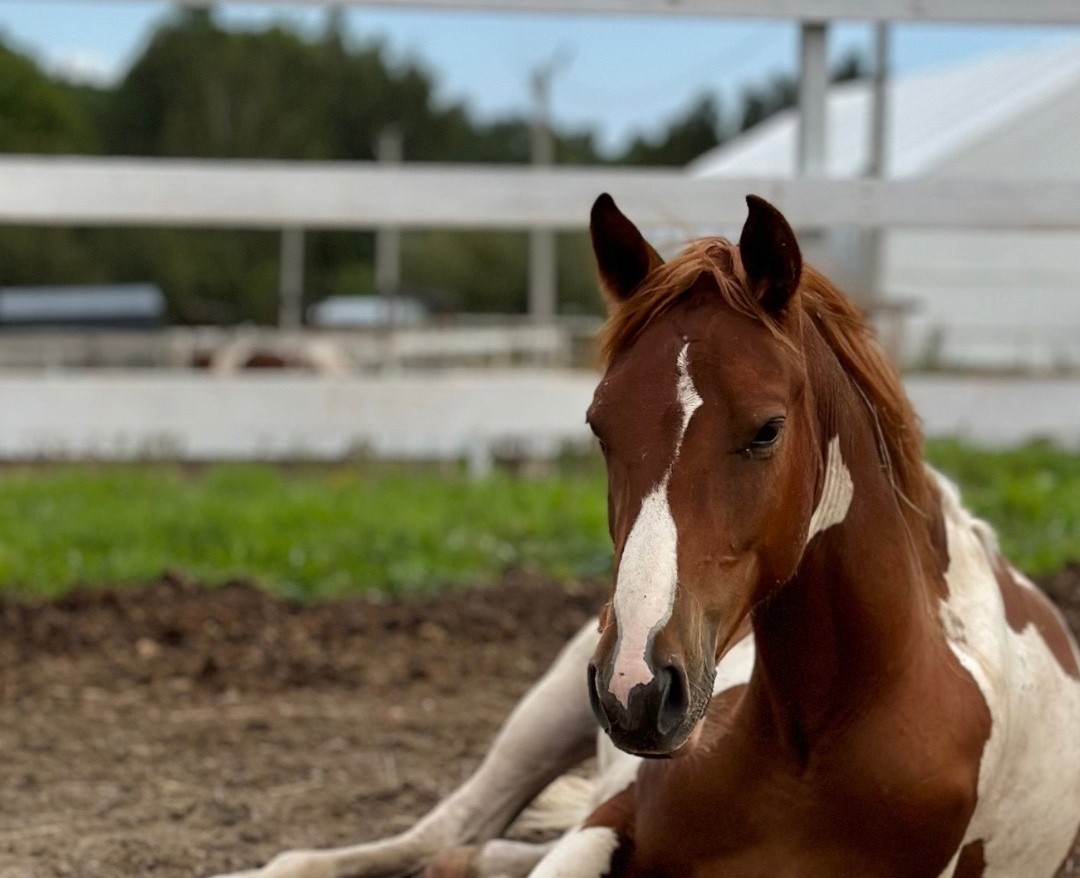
[{"x": 202, "y": 90}]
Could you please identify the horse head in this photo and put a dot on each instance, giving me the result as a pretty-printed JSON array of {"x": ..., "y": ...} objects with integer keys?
[{"x": 705, "y": 416}]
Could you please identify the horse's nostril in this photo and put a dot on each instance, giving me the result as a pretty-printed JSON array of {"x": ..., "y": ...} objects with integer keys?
[
  {"x": 594, "y": 700},
  {"x": 674, "y": 698}
]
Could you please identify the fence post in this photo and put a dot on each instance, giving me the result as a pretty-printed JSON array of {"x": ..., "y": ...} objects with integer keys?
[
  {"x": 291, "y": 279},
  {"x": 813, "y": 88},
  {"x": 389, "y": 150}
]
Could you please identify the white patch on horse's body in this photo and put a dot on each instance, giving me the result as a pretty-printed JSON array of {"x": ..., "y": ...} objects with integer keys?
[
  {"x": 735, "y": 667},
  {"x": 648, "y": 570},
  {"x": 583, "y": 853},
  {"x": 836, "y": 493},
  {"x": 1028, "y": 808}
]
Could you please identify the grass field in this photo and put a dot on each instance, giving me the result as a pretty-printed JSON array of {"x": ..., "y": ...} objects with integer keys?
[{"x": 321, "y": 532}]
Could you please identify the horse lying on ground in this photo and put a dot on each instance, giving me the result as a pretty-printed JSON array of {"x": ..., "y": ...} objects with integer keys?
[{"x": 848, "y": 677}]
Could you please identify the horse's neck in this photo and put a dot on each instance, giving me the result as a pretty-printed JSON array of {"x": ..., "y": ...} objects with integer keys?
[{"x": 831, "y": 638}]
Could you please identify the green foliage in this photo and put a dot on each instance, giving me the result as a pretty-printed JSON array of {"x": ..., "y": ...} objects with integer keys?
[
  {"x": 449, "y": 260},
  {"x": 486, "y": 271},
  {"x": 762, "y": 101},
  {"x": 686, "y": 138},
  {"x": 44, "y": 256},
  {"x": 38, "y": 114},
  {"x": 326, "y": 531},
  {"x": 782, "y": 91},
  {"x": 578, "y": 290},
  {"x": 1030, "y": 495},
  {"x": 199, "y": 89}
]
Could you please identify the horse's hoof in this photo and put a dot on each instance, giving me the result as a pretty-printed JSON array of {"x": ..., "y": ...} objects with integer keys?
[{"x": 454, "y": 863}]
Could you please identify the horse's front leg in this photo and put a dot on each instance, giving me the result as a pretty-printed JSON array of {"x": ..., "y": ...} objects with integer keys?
[
  {"x": 498, "y": 858},
  {"x": 551, "y": 730},
  {"x": 591, "y": 852}
]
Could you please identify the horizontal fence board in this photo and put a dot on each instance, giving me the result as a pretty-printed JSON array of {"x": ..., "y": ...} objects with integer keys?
[
  {"x": 249, "y": 194},
  {"x": 453, "y": 414},
  {"x": 975, "y": 11}
]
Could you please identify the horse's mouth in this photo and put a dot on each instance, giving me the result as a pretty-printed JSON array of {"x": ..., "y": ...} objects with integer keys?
[{"x": 656, "y": 745}]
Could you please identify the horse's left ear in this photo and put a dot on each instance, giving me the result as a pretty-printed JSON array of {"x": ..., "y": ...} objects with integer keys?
[{"x": 770, "y": 255}]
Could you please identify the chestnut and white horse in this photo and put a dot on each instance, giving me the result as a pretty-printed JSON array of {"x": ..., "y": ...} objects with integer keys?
[{"x": 848, "y": 677}]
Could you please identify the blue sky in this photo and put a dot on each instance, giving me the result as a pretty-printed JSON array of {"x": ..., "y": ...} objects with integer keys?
[{"x": 623, "y": 75}]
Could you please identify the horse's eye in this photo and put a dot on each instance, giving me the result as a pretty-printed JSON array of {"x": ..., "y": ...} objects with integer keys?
[
  {"x": 596, "y": 433},
  {"x": 766, "y": 437}
]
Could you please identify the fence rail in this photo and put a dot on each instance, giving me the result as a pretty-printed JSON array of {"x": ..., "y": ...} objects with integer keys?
[
  {"x": 974, "y": 11},
  {"x": 455, "y": 414},
  {"x": 250, "y": 194}
]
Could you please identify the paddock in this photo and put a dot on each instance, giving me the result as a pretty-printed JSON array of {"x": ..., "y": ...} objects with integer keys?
[
  {"x": 171, "y": 730},
  {"x": 191, "y": 722}
]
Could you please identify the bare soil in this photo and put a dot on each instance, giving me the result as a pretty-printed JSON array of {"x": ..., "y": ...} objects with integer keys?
[{"x": 176, "y": 730}]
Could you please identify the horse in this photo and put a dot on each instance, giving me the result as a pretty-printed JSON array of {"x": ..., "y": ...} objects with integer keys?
[{"x": 814, "y": 661}]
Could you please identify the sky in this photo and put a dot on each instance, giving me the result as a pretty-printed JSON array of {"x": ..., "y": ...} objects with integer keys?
[{"x": 617, "y": 75}]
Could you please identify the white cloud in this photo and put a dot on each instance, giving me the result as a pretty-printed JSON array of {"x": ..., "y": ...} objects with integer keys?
[{"x": 83, "y": 67}]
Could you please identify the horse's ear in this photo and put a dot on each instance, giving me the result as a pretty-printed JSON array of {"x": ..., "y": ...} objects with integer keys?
[
  {"x": 770, "y": 255},
  {"x": 623, "y": 256}
]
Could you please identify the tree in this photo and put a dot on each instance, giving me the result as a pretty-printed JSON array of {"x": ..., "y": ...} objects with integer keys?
[
  {"x": 199, "y": 89},
  {"x": 696, "y": 131},
  {"x": 38, "y": 114},
  {"x": 782, "y": 91}
]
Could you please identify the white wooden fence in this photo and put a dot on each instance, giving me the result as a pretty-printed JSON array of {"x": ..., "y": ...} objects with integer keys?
[
  {"x": 465, "y": 414},
  {"x": 259, "y": 194},
  {"x": 989, "y": 11},
  {"x": 280, "y": 195}
]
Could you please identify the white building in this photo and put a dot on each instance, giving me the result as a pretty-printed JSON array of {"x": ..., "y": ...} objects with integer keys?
[{"x": 996, "y": 298}]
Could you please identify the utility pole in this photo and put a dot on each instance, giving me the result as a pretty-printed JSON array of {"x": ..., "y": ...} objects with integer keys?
[
  {"x": 543, "y": 282},
  {"x": 876, "y": 166}
]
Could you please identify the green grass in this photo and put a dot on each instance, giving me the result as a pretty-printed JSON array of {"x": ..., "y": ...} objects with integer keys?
[
  {"x": 1030, "y": 495},
  {"x": 309, "y": 533},
  {"x": 322, "y": 532}
]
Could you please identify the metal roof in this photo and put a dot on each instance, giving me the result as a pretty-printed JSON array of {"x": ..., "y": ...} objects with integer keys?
[
  {"x": 933, "y": 118},
  {"x": 982, "y": 297}
]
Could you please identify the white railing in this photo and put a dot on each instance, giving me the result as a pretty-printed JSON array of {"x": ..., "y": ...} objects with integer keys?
[
  {"x": 253, "y": 194},
  {"x": 974, "y": 11},
  {"x": 475, "y": 415}
]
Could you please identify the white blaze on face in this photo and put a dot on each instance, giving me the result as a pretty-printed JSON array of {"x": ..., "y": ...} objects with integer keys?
[
  {"x": 648, "y": 570},
  {"x": 689, "y": 399},
  {"x": 836, "y": 493}
]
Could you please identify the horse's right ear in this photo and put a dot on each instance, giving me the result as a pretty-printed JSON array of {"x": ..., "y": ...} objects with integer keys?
[{"x": 623, "y": 256}]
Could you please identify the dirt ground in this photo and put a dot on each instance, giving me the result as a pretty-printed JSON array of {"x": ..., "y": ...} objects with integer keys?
[{"x": 172, "y": 730}]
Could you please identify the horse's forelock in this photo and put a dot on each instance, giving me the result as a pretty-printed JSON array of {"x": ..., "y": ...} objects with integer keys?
[{"x": 843, "y": 327}]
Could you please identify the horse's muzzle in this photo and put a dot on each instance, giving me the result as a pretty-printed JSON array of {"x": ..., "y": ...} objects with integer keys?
[{"x": 656, "y": 719}]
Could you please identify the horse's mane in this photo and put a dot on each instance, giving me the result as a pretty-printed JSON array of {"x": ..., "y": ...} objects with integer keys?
[{"x": 841, "y": 325}]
